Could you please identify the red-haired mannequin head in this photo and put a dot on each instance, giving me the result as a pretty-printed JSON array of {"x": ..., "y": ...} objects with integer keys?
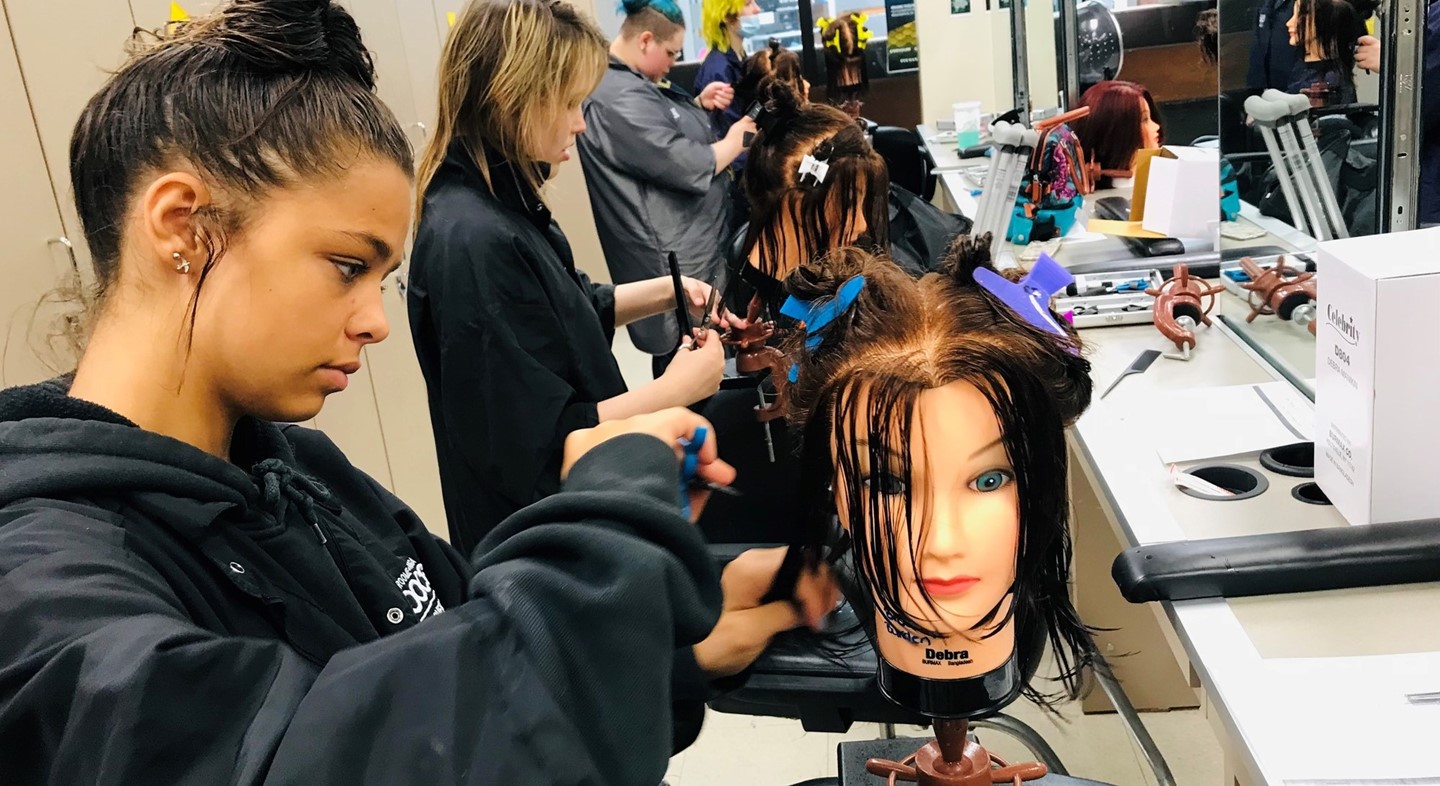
[{"x": 1122, "y": 121}]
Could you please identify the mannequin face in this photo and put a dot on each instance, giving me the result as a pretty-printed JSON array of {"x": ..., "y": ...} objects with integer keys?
[
  {"x": 1149, "y": 129},
  {"x": 964, "y": 508},
  {"x": 657, "y": 56},
  {"x": 1292, "y": 25}
]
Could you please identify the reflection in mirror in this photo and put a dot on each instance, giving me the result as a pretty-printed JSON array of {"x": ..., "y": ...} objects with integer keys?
[
  {"x": 1146, "y": 74},
  {"x": 1302, "y": 129},
  {"x": 1305, "y": 168}
]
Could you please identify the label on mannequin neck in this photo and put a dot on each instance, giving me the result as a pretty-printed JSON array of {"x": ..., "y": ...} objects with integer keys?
[{"x": 962, "y": 654}]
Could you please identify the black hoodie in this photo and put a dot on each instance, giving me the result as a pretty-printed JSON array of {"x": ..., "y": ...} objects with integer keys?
[{"x": 168, "y": 617}]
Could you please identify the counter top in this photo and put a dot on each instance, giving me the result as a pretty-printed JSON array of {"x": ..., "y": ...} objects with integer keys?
[{"x": 1289, "y": 676}]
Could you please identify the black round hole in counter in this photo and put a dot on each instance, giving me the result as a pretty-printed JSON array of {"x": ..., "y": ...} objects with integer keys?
[
  {"x": 1244, "y": 482},
  {"x": 1310, "y": 494},
  {"x": 1297, "y": 460}
]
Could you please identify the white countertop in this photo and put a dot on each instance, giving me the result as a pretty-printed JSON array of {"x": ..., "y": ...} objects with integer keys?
[{"x": 1308, "y": 685}]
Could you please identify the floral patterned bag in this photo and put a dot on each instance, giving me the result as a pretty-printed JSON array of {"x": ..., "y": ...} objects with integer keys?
[{"x": 1052, "y": 189}]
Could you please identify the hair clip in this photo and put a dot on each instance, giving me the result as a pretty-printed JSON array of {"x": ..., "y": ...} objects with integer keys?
[
  {"x": 810, "y": 166},
  {"x": 1030, "y": 298},
  {"x": 817, "y": 316}
]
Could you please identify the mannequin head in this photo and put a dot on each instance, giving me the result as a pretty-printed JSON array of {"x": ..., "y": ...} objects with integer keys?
[
  {"x": 720, "y": 20},
  {"x": 1329, "y": 29},
  {"x": 933, "y": 424},
  {"x": 793, "y": 218},
  {"x": 844, "y": 40},
  {"x": 652, "y": 37},
  {"x": 772, "y": 62},
  {"x": 1122, "y": 121}
]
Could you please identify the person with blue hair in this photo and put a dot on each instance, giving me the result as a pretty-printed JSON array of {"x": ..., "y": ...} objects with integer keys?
[{"x": 658, "y": 176}]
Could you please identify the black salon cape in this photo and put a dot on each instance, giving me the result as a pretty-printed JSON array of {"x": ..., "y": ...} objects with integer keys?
[
  {"x": 513, "y": 341},
  {"x": 172, "y": 618}
]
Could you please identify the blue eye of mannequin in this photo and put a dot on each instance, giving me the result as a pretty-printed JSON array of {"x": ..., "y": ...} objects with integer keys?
[
  {"x": 887, "y": 483},
  {"x": 993, "y": 480}
]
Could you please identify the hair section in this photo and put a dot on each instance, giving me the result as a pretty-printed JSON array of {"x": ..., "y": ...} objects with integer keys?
[{"x": 793, "y": 221}]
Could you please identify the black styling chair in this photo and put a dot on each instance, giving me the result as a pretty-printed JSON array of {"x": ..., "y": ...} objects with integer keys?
[
  {"x": 904, "y": 153},
  {"x": 826, "y": 680}
]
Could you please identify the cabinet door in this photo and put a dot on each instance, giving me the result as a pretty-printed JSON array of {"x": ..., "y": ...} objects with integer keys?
[
  {"x": 66, "y": 50},
  {"x": 352, "y": 421},
  {"x": 405, "y": 414},
  {"x": 33, "y": 255},
  {"x": 403, "y": 45}
]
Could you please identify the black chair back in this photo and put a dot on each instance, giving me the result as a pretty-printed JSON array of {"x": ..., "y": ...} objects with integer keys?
[{"x": 904, "y": 154}]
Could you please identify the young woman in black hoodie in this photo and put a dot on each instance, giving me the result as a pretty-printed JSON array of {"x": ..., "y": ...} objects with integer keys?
[{"x": 190, "y": 593}]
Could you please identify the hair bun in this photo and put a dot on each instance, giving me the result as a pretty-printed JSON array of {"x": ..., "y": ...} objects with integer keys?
[
  {"x": 288, "y": 37},
  {"x": 967, "y": 253},
  {"x": 781, "y": 104}
]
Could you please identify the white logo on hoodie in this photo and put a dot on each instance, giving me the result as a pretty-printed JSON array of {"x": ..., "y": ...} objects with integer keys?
[{"x": 413, "y": 584}]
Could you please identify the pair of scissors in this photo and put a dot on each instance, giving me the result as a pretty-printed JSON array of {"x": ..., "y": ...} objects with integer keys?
[
  {"x": 689, "y": 470},
  {"x": 708, "y": 323}
]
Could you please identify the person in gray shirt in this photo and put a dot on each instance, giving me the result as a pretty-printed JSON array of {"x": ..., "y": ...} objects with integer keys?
[{"x": 658, "y": 178}]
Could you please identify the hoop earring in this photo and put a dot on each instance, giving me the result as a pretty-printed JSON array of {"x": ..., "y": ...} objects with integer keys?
[{"x": 182, "y": 265}]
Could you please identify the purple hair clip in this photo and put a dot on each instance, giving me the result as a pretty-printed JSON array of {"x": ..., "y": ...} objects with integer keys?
[{"x": 1030, "y": 298}]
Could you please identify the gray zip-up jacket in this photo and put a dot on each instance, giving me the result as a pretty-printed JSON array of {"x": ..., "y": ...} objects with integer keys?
[{"x": 651, "y": 175}]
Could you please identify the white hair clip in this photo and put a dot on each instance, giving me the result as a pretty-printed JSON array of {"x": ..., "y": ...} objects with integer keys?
[{"x": 810, "y": 166}]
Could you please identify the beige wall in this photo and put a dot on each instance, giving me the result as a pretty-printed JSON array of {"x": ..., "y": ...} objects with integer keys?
[{"x": 966, "y": 57}]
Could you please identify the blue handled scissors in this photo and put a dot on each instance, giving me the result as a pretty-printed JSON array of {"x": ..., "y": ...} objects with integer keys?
[{"x": 689, "y": 469}]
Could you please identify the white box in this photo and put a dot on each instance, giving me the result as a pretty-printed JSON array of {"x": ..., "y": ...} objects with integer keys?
[
  {"x": 1377, "y": 376},
  {"x": 1182, "y": 192}
]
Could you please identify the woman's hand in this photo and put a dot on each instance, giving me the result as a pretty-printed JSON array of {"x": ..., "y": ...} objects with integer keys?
[
  {"x": 746, "y": 627},
  {"x": 717, "y": 96},
  {"x": 669, "y": 426},
  {"x": 1367, "y": 53},
  {"x": 698, "y": 293},
  {"x": 695, "y": 374}
]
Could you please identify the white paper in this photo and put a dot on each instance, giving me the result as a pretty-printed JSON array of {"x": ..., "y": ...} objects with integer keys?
[
  {"x": 1346, "y": 721},
  {"x": 1206, "y": 423}
]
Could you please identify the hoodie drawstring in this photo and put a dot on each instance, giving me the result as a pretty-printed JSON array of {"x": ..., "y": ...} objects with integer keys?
[{"x": 281, "y": 485}]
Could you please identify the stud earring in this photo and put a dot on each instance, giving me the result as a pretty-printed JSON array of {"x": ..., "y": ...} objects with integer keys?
[{"x": 182, "y": 265}]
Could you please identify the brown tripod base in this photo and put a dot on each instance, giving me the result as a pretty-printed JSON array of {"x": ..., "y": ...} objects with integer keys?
[{"x": 953, "y": 759}]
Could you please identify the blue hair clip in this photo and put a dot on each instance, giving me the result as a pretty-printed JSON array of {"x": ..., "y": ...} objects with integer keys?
[
  {"x": 1030, "y": 298},
  {"x": 817, "y": 316}
]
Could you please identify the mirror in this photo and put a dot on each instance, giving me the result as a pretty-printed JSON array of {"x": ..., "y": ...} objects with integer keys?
[
  {"x": 1336, "y": 158},
  {"x": 1143, "y": 70}
]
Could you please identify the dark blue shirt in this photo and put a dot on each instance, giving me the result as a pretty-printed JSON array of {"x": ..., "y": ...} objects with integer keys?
[
  {"x": 1430, "y": 120},
  {"x": 1324, "y": 80},
  {"x": 1272, "y": 58},
  {"x": 720, "y": 67}
]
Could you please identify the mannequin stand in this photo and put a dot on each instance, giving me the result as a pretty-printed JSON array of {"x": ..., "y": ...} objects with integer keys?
[{"x": 953, "y": 759}]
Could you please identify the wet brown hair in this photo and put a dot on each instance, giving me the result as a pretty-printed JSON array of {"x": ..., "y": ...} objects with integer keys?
[
  {"x": 820, "y": 215},
  {"x": 854, "y": 404},
  {"x": 773, "y": 62}
]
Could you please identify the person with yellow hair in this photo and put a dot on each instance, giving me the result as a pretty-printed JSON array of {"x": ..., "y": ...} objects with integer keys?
[{"x": 725, "y": 53}]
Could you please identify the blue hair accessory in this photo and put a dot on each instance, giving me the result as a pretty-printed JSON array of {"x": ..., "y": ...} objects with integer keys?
[
  {"x": 1030, "y": 298},
  {"x": 818, "y": 315}
]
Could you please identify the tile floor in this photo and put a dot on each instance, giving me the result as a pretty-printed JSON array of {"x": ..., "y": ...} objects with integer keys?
[{"x": 738, "y": 749}]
